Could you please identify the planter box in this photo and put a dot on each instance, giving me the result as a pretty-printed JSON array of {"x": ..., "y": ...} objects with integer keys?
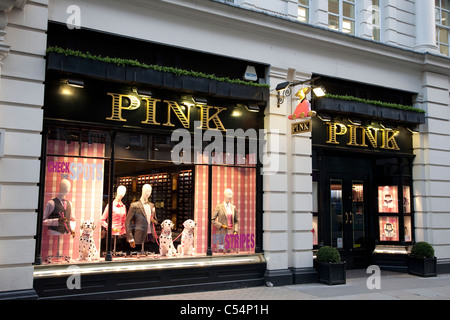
[
  {"x": 332, "y": 273},
  {"x": 157, "y": 79},
  {"x": 368, "y": 110},
  {"x": 424, "y": 267}
]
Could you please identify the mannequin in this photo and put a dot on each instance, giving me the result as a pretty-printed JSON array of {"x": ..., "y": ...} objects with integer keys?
[
  {"x": 119, "y": 213},
  {"x": 58, "y": 215},
  {"x": 225, "y": 218},
  {"x": 142, "y": 214},
  {"x": 118, "y": 217}
]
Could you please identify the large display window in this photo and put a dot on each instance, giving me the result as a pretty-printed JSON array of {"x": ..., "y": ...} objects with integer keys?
[{"x": 118, "y": 196}]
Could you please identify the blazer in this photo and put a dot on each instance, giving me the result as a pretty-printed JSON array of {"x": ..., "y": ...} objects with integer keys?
[
  {"x": 219, "y": 217},
  {"x": 136, "y": 223}
]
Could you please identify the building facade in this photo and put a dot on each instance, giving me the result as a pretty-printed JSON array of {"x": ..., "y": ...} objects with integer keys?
[{"x": 367, "y": 180}]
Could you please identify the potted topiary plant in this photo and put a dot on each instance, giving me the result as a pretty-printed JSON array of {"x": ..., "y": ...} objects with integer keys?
[
  {"x": 329, "y": 266},
  {"x": 421, "y": 261}
]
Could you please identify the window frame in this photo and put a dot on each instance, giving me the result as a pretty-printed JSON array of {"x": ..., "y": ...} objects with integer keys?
[
  {"x": 341, "y": 16},
  {"x": 308, "y": 11},
  {"x": 439, "y": 27}
]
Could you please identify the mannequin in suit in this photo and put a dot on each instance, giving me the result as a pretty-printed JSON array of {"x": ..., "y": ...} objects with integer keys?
[
  {"x": 225, "y": 217},
  {"x": 142, "y": 215},
  {"x": 58, "y": 216}
]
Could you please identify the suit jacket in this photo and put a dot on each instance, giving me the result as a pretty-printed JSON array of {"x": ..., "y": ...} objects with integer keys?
[
  {"x": 136, "y": 223},
  {"x": 219, "y": 217}
]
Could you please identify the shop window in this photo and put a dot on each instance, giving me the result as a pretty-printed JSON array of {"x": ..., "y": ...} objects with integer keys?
[
  {"x": 395, "y": 206},
  {"x": 73, "y": 193},
  {"x": 77, "y": 197}
]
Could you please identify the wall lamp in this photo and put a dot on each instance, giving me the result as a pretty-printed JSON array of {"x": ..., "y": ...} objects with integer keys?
[
  {"x": 75, "y": 83},
  {"x": 287, "y": 86},
  {"x": 201, "y": 101}
]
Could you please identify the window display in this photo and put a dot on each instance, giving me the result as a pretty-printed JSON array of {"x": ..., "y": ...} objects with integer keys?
[
  {"x": 406, "y": 200},
  {"x": 73, "y": 192},
  {"x": 389, "y": 229},
  {"x": 159, "y": 209},
  {"x": 388, "y": 199},
  {"x": 225, "y": 220}
]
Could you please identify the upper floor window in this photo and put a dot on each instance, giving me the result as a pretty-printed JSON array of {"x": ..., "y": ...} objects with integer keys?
[
  {"x": 303, "y": 11},
  {"x": 376, "y": 20},
  {"x": 443, "y": 25},
  {"x": 341, "y": 15}
]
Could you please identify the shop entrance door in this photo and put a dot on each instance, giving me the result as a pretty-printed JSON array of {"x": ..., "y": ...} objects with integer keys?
[{"x": 347, "y": 209}]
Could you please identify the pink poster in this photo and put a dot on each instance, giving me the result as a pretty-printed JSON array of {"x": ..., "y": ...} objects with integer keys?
[{"x": 85, "y": 176}]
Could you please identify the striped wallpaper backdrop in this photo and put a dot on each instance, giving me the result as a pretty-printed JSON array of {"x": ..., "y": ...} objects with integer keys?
[{"x": 85, "y": 195}]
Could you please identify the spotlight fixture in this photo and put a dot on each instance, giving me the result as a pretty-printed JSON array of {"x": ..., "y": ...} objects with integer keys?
[
  {"x": 75, "y": 83},
  {"x": 355, "y": 122},
  {"x": 319, "y": 91},
  {"x": 324, "y": 118},
  {"x": 144, "y": 93},
  {"x": 413, "y": 130},
  {"x": 286, "y": 88},
  {"x": 252, "y": 107},
  {"x": 201, "y": 101}
]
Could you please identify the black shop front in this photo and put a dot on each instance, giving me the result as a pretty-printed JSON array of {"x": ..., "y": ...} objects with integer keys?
[
  {"x": 142, "y": 131},
  {"x": 363, "y": 175}
]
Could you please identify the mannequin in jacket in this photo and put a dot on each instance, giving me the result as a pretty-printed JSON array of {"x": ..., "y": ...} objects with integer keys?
[
  {"x": 58, "y": 216},
  {"x": 142, "y": 215},
  {"x": 225, "y": 218}
]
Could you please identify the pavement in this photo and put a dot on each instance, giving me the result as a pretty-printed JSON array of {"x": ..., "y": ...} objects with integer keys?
[{"x": 392, "y": 286}]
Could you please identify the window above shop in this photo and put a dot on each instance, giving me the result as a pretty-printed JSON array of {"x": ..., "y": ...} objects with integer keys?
[{"x": 443, "y": 25}]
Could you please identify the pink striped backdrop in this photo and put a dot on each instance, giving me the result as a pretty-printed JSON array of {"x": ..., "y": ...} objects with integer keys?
[
  {"x": 85, "y": 195},
  {"x": 242, "y": 181}
]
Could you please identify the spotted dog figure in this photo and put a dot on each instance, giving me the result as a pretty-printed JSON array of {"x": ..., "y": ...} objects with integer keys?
[
  {"x": 166, "y": 247},
  {"x": 86, "y": 248},
  {"x": 187, "y": 239}
]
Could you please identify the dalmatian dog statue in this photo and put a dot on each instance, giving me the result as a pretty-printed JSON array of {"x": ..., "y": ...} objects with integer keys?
[
  {"x": 166, "y": 247},
  {"x": 187, "y": 239},
  {"x": 86, "y": 247}
]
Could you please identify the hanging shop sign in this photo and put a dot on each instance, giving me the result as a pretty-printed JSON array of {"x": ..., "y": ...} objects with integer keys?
[{"x": 302, "y": 114}]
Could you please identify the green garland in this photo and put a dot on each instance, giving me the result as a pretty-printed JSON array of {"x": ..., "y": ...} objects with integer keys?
[
  {"x": 136, "y": 63},
  {"x": 375, "y": 103}
]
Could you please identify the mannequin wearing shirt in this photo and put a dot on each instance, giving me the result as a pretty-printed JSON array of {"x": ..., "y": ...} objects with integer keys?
[
  {"x": 58, "y": 215},
  {"x": 225, "y": 217},
  {"x": 119, "y": 213},
  {"x": 142, "y": 215}
]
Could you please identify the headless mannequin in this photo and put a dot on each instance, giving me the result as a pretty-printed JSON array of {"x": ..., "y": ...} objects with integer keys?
[
  {"x": 146, "y": 193},
  {"x": 66, "y": 222},
  {"x": 119, "y": 215},
  {"x": 225, "y": 219},
  {"x": 59, "y": 217}
]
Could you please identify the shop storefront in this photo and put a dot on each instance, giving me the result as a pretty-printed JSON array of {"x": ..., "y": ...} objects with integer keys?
[
  {"x": 150, "y": 179},
  {"x": 363, "y": 177}
]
